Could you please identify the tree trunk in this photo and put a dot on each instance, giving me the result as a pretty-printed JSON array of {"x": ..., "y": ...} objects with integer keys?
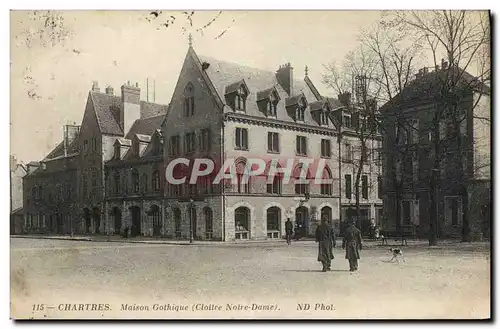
[{"x": 433, "y": 217}]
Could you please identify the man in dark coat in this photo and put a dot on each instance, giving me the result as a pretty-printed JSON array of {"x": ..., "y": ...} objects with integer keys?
[
  {"x": 288, "y": 231},
  {"x": 352, "y": 244},
  {"x": 325, "y": 236}
]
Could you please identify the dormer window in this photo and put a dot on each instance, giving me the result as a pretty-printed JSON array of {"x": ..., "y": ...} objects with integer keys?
[
  {"x": 272, "y": 106},
  {"x": 324, "y": 117},
  {"x": 301, "y": 110},
  {"x": 346, "y": 121},
  {"x": 241, "y": 99}
]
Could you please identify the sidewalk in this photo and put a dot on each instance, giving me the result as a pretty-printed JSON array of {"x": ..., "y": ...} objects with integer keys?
[{"x": 277, "y": 242}]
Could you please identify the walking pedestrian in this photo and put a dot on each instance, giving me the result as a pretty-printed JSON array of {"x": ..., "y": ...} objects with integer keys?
[
  {"x": 288, "y": 231},
  {"x": 325, "y": 236},
  {"x": 352, "y": 244}
]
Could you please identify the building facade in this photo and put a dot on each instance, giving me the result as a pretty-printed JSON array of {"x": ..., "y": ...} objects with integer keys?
[
  {"x": 113, "y": 168},
  {"x": 410, "y": 152},
  {"x": 230, "y": 113},
  {"x": 65, "y": 192},
  {"x": 17, "y": 172}
]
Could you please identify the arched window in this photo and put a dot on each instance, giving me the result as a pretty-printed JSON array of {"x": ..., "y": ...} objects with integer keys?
[
  {"x": 189, "y": 100},
  {"x": 273, "y": 217},
  {"x": 275, "y": 183},
  {"x": 272, "y": 105},
  {"x": 301, "y": 180},
  {"x": 241, "y": 98},
  {"x": 301, "y": 109},
  {"x": 326, "y": 183},
  {"x": 326, "y": 213},
  {"x": 243, "y": 180},
  {"x": 242, "y": 223}
]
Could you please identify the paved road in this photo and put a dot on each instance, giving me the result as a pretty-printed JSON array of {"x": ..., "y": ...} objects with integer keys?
[{"x": 451, "y": 281}]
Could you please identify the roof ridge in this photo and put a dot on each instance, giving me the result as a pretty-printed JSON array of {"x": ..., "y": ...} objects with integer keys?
[{"x": 95, "y": 110}]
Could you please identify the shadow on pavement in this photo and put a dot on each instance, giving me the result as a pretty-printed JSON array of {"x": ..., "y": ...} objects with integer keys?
[{"x": 314, "y": 271}]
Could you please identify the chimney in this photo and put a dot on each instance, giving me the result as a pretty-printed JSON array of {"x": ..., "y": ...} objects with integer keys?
[
  {"x": 284, "y": 75},
  {"x": 95, "y": 86},
  {"x": 130, "y": 109},
  {"x": 110, "y": 91},
  {"x": 419, "y": 74},
  {"x": 345, "y": 98},
  {"x": 70, "y": 134},
  {"x": 444, "y": 64},
  {"x": 13, "y": 162}
]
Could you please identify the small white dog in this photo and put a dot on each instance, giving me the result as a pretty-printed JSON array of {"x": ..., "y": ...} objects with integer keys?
[{"x": 396, "y": 254}]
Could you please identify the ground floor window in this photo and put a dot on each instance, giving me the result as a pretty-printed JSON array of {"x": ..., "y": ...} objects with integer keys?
[
  {"x": 273, "y": 217},
  {"x": 208, "y": 223},
  {"x": 242, "y": 221},
  {"x": 453, "y": 210}
]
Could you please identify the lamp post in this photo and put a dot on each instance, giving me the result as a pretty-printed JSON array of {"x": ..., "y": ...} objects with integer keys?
[{"x": 191, "y": 206}]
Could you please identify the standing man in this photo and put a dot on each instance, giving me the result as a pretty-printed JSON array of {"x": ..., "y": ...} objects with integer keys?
[
  {"x": 288, "y": 231},
  {"x": 352, "y": 244},
  {"x": 325, "y": 237}
]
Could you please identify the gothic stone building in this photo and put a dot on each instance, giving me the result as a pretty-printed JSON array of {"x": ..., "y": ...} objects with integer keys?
[{"x": 225, "y": 111}]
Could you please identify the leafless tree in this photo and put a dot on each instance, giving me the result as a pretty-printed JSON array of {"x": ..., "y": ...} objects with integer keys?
[{"x": 463, "y": 37}]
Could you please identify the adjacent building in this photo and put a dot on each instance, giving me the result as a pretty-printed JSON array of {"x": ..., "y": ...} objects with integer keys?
[
  {"x": 65, "y": 192},
  {"x": 17, "y": 172},
  {"x": 410, "y": 140}
]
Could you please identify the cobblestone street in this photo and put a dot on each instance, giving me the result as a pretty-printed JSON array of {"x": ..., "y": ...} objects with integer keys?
[{"x": 451, "y": 281}]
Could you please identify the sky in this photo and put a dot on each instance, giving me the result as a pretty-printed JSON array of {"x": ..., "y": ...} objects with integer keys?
[{"x": 113, "y": 47}]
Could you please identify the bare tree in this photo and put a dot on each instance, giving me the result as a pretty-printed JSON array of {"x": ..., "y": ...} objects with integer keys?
[
  {"x": 463, "y": 37},
  {"x": 357, "y": 93},
  {"x": 389, "y": 65}
]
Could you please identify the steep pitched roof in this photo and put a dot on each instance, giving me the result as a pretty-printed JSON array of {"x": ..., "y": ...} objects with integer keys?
[
  {"x": 334, "y": 103},
  {"x": 429, "y": 85},
  {"x": 123, "y": 141},
  {"x": 58, "y": 151},
  {"x": 107, "y": 108},
  {"x": 145, "y": 126},
  {"x": 223, "y": 74},
  {"x": 152, "y": 109},
  {"x": 143, "y": 138},
  {"x": 107, "y": 111}
]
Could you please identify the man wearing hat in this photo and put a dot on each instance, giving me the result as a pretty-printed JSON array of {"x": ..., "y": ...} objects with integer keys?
[
  {"x": 325, "y": 236},
  {"x": 352, "y": 244}
]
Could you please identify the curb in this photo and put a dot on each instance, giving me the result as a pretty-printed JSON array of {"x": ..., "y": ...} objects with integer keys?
[{"x": 164, "y": 242}]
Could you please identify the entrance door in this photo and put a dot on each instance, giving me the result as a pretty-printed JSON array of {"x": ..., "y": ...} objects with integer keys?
[
  {"x": 117, "y": 214},
  {"x": 136, "y": 221},
  {"x": 87, "y": 220},
  {"x": 155, "y": 213},
  {"x": 59, "y": 224},
  {"x": 96, "y": 214},
  {"x": 301, "y": 222}
]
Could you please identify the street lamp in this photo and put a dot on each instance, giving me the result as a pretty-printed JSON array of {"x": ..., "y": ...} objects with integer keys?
[{"x": 191, "y": 206}]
